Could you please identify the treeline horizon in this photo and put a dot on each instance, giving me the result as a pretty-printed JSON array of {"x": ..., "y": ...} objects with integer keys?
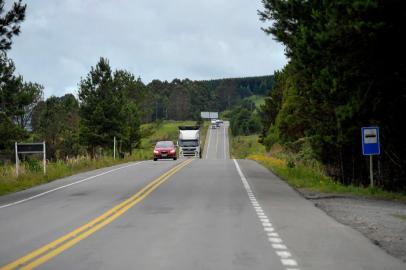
[{"x": 109, "y": 104}]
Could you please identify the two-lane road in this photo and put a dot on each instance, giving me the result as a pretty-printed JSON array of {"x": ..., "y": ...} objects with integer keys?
[
  {"x": 216, "y": 146},
  {"x": 210, "y": 213}
]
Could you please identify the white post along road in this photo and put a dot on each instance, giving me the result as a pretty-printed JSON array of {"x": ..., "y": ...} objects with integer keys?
[{"x": 210, "y": 213}]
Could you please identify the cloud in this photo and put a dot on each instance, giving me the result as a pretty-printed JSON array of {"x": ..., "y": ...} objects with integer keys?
[{"x": 153, "y": 39}]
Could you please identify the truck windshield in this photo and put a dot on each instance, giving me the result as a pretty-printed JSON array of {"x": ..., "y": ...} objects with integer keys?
[{"x": 188, "y": 143}]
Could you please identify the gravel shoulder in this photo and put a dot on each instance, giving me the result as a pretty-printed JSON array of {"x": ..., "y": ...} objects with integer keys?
[{"x": 383, "y": 222}]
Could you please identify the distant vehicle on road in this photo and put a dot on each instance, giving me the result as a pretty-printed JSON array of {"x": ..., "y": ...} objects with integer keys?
[
  {"x": 213, "y": 123},
  {"x": 164, "y": 150},
  {"x": 189, "y": 141}
]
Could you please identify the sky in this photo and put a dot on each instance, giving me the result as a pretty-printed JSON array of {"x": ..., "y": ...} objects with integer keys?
[{"x": 153, "y": 39}]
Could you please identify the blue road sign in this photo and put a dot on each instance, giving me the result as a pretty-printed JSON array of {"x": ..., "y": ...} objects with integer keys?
[{"x": 370, "y": 141}]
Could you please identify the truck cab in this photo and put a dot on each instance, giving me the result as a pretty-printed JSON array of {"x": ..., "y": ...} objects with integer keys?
[{"x": 189, "y": 141}]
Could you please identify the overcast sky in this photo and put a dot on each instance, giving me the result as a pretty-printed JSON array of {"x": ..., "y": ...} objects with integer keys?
[{"x": 153, "y": 39}]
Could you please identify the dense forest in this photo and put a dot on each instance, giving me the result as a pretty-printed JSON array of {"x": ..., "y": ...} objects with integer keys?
[
  {"x": 185, "y": 99},
  {"x": 346, "y": 71}
]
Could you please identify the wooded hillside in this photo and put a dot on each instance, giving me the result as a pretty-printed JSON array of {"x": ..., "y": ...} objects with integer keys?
[{"x": 346, "y": 71}]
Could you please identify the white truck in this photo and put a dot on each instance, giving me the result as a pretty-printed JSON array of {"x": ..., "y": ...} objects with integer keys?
[{"x": 189, "y": 141}]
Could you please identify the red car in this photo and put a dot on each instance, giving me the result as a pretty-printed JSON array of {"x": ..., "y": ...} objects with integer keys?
[{"x": 165, "y": 149}]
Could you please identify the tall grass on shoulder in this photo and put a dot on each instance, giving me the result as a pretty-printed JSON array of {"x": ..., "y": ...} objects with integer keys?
[
  {"x": 302, "y": 176},
  {"x": 203, "y": 133},
  {"x": 243, "y": 146}
]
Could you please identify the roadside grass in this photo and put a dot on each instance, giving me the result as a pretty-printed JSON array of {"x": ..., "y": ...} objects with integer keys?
[
  {"x": 29, "y": 176},
  {"x": 243, "y": 146},
  {"x": 203, "y": 134},
  {"x": 313, "y": 179},
  {"x": 402, "y": 217},
  {"x": 258, "y": 100},
  {"x": 31, "y": 173},
  {"x": 308, "y": 175}
]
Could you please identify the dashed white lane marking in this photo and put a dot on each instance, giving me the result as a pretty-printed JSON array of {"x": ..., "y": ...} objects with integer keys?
[
  {"x": 68, "y": 185},
  {"x": 279, "y": 246},
  {"x": 284, "y": 254},
  {"x": 275, "y": 240},
  {"x": 273, "y": 237},
  {"x": 267, "y": 224},
  {"x": 289, "y": 262}
]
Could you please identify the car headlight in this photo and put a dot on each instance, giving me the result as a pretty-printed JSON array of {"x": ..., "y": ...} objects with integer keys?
[
  {"x": 156, "y": 152},
  {"x": 172, "y": 151}
]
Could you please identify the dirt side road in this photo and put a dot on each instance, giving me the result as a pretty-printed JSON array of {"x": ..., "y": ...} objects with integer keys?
[{"x": 383, "y": 222}]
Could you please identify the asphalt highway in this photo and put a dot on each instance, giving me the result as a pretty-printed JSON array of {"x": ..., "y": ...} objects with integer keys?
[{"x": 209, "y": 213}]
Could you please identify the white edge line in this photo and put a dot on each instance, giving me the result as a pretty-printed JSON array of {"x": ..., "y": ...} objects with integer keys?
[
  {"x": 277, "y": 242},
  {"x": 65, "y": 186}
]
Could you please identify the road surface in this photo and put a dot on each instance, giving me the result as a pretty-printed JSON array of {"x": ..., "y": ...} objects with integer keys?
[{"x": 212, "y": 213}]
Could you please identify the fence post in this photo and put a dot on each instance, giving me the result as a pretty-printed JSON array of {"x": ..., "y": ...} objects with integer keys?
[
  {"x": 114, "y": 145},
  {"x": 45, "y": 159},
  {"x": 17, "y": 161}
]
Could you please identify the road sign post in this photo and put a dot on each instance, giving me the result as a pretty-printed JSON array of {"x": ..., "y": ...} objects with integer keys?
[
  {"x": 370, "y": 147},
  {"x": 30, "y": 148},
  {"x": 44, "y": 159},
  {"x": 209, "y": 115},
  {"x": 17, "y": 161}
]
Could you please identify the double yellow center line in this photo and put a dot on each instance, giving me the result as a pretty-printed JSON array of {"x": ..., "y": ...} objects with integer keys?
[{"x": 48, "y": 251}]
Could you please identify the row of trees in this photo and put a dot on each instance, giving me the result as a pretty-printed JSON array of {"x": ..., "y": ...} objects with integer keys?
[
  {"x": 106, "y": 108},
  {"x": 185, "y": 99},
  {"x": 17, "y": 97},
  {"x": 346, "y": 70},
  {"x": 244, "y": 118},
  {"x": 114, "y": 104}
]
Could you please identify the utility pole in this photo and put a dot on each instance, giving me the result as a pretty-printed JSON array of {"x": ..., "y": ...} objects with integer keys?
[{"x": 371, "y": 171}]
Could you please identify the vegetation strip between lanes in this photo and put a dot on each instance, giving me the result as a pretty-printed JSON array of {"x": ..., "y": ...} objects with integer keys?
[{"x": 47, "y": 252}]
